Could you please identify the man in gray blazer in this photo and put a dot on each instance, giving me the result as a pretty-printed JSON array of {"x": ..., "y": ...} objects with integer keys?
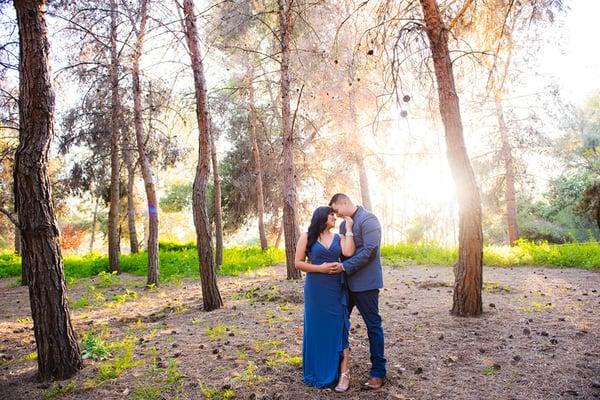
[{"x": 365, "y": 277}]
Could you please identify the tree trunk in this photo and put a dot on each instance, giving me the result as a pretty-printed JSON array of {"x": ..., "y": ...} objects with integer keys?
[
  {"x": 468, "y": 269},
  {"x": 113, "y": 214},
  {"x": 217, "y": 200},
  {"x": 359, "y": 147},
  {"x": 17, "y": 240},
  {"x": 153, "y": 252},
  {"x": 94, "y": 219},
  {"x": 19, "y": 251},
  {"x": 131, "y": 212},
  {"x": 57, "y": 348},
  {"x": 260, "y": 202},
  {"x": 289, "y": 177},
  {"x": 211, "y": 297},
  {"x": 509, "y": 175},
  {"x": 279, "y": 231},
  {"x": 364, "y": 182}
]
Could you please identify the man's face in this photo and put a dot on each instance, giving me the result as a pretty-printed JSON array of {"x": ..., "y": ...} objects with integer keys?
[{"x": 339, "y": 209}]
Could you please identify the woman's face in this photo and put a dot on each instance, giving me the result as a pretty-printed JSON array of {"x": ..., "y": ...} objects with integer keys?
[{"x": 331, "y": 220}]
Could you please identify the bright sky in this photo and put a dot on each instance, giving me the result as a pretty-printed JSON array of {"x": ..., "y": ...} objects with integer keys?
[{"x": 575, "y": 61}]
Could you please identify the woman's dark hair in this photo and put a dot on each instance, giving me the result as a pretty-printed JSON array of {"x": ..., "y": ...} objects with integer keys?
[{"x": 318, "y": 224}]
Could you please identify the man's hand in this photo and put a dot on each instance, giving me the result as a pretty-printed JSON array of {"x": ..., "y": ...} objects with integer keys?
[
  {"x": 332, "y": 267},
  {"x": 338, "y": 268}
]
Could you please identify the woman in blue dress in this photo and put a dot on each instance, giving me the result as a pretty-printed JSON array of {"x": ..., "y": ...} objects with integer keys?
[{"x": 325, "y": 350}]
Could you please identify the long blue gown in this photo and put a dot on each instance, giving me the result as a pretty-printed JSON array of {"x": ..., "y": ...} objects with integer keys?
[{"x": 326, "y": 321}]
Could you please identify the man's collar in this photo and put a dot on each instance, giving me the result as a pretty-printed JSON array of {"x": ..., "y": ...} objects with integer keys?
[{"x": 355, "y": 211}]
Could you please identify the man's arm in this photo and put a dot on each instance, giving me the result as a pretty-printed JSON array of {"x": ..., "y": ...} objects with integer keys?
[{"x": 371, "y": 233}]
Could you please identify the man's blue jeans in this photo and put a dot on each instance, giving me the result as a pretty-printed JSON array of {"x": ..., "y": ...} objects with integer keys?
[{"x": 368, "y": 306}]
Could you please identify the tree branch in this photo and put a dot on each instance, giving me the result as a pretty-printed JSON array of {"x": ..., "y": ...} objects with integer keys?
[{"x": 11, "y": 216}]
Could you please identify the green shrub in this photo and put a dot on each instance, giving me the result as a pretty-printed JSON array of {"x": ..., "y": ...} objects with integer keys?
[
  {"x": 578, "y": 255},
  {"x": 94, "y": 347},
  {"x": 421, "y": 253},
  {"x": 10, "y": 264},
  {"x": 178, "y": 261}
]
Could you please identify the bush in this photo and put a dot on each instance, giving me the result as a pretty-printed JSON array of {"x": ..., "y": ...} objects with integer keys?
[
  {"x": 539, "y": 230},
  {"x": 10, "y": 264},
  {"x": 176, "y": 261},
  {"x": 421, "y": 253},
  {"x": 174, "y": 246},
  {"x": 578, "y": 255}
]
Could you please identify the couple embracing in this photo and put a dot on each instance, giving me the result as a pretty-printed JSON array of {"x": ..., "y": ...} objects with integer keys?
[{"x": 342, "y": 271}]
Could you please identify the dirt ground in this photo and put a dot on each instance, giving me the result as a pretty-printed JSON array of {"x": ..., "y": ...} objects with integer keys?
[{"x": 539, "y": 338}]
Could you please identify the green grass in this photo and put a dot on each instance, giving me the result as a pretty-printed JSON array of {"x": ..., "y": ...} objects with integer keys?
[
  {"x": 576, "y": 255},
  {"x": 211, "y": 393},
  {"x": 176, "y": 261},
  {"x": 10, "y": 264},
  {"x": 490, "y": 370},
  {"x": 59, "y": 390},
  {"x": 123, "y": 359},
  {"x": 216, "y": 332},
  {"x": 423, "y": 253},
  {"x": 181, "y": 260},
  {"x": 184, "y": 262}
]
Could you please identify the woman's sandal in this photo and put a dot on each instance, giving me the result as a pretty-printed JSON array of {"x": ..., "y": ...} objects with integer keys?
[{"x": 344, "y": 382}]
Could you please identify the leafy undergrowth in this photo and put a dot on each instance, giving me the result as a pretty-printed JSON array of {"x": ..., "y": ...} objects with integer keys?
[
  {"x": 181, "y": 260},
  {"x": 176, "y": 261},
  {"x": 576, "y": 255}
]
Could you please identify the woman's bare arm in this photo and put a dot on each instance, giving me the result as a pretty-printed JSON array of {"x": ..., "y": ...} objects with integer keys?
[
  {"x": 303, "y": 265},
  {"x": 347, "y": 242}
]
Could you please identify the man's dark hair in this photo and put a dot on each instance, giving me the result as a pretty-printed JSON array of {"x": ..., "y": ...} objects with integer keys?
[{"x": 337, "y": 198}]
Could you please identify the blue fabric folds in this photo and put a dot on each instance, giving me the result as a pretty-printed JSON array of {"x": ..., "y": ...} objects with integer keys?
[{"x": 326, "y": 320}]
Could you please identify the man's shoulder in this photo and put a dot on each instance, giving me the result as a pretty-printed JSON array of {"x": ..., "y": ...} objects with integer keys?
[{"x": 365, "y": 215}]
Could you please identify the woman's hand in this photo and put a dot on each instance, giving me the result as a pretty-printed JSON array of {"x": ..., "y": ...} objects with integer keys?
[{"x": 349, "y": 223}]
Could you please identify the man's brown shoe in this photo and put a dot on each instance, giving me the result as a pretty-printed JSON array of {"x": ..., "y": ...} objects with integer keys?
[{"x": 374, "y": 383}]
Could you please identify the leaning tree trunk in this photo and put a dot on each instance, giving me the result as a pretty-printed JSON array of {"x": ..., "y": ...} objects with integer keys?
[
  {"x": 153, "y": 252},
  {"x": 57, "y": 348},
  {"x": 217, "y": 199},
  {"x": 289, "y": 181},
  {"x": 509, "y": 174},
  {"x": 260, "y": 202},
  {"x": 113, "y": 214},
  {"x": 468, "y": 269},
  {"x": 211, "y": 297},
  {"x": 131, "y": 212}
]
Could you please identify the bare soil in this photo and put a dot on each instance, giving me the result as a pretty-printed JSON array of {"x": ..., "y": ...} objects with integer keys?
[{"x": 539, "y": 338}]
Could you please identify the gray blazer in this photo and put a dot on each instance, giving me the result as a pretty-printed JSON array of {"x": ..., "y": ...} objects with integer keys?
[{"x": 363, "y": 269}]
